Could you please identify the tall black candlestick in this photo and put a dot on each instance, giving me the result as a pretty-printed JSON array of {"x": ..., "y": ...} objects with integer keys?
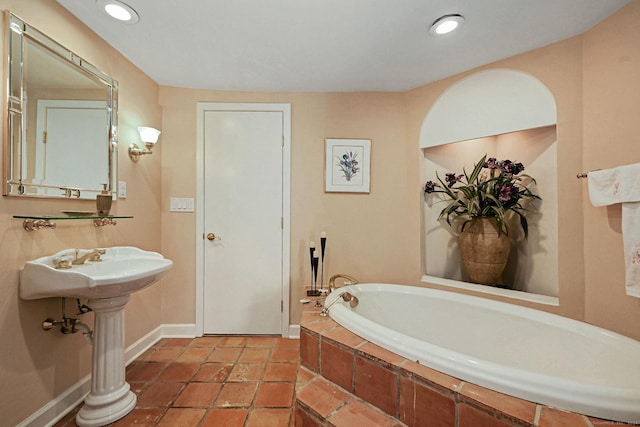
[
  {"x": 312, "y": 248},
  {"x": 315, "y": 272},
  {"x": 316, "y": 292},
  {"x": 323, "y": 245}
]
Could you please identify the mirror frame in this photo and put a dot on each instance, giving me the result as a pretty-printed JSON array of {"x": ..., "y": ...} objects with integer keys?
[{"x": 18, "y": 33}]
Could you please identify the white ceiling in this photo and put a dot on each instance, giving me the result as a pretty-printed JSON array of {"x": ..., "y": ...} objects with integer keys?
[{"x": 330, "y": 45}]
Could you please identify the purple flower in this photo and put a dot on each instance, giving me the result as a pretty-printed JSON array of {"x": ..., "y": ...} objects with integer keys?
[
  {"x": 451, "y": 178},
  {"x": 507, "y": 166},
  {"x": 506, "y": 192},
  {"x": 429, "y": 187},
  {"x": 517, "y": 168},
  {"x": 491, "y": 163},
  {"x": 490, "y": 190}
]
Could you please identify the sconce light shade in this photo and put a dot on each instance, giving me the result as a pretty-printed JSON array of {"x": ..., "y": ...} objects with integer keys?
[{"x": 149, "y": 136}]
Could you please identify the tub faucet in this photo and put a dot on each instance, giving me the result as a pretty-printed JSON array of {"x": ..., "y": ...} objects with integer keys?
[
  {"x": 347, "y": 280},
  {"x": 346, "y": 297},
  {"x": 93, "y": 255}
]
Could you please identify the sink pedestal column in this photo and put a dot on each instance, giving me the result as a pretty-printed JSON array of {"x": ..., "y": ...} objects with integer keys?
[{"x": 110, "y": 398}]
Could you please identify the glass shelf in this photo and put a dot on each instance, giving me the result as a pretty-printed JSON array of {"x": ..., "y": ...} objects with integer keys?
[
  {"x": 64, "y": 217},
  {"x": 37, "y": 222}
]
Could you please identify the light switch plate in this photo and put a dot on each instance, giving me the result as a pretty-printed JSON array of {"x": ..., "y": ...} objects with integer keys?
[
  {"x": 122, "y": 189},
  {"x": 179, "y": 204}
]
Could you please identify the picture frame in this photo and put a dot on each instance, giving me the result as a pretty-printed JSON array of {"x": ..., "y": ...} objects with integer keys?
[{"x": 347, "y": 165}]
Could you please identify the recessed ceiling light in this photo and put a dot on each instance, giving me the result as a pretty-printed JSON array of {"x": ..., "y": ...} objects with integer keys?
[
  {"x": 118, "y": 10},
  {"x": 445, "y": 24}
]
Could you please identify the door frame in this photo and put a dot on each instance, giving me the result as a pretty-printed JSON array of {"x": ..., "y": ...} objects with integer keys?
[{"x": 202, "y": 108}]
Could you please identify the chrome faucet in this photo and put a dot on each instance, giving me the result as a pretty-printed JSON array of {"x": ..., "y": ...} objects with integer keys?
[{"x": 93, "y": 255}]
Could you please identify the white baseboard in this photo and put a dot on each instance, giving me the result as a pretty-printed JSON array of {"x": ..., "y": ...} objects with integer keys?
[
  {"x": 179, "y": 330},
  {"x": 294, "y": 331},
  {"x": 134, "y": 351},
  {"x": 53, "y": 411},
  {"x": 56, "y": 409}
]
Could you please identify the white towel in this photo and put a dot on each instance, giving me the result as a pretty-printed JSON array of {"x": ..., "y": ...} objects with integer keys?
[
  {"x": 631, "y": 242},
  {"x": 617, "y": 185},
  {"x": 622, "y": 185}
]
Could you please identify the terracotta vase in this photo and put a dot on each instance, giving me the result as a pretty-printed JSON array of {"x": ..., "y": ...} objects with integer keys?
[{"x": 484, "y": 252}]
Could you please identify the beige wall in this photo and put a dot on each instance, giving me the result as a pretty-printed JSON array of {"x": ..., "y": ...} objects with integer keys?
[
  {"x": 37, "y": 366},
  {"x": 367, "y": 234},
  {"x": 611, "y": 114}
]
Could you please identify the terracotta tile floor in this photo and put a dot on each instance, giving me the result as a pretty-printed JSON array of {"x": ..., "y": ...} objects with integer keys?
[{"x": 226, "y": 381}]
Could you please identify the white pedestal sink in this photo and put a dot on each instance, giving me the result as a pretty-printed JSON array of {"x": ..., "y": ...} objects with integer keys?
[{"x": 107, "y": 284}]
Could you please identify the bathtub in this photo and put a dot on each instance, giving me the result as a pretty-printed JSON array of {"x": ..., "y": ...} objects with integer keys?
[{"x": 526, "y": 353}]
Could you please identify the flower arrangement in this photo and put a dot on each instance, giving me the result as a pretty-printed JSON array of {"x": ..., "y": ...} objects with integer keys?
[
  {"x": 348, "y": 164},
  {"x": 491, "y": 190}
]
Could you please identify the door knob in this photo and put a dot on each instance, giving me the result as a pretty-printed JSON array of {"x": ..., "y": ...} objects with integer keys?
[{"x": 212, "y": 237}]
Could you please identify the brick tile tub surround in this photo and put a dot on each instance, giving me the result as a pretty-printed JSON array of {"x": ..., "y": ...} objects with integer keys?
[{"x": 343, "y": 377}]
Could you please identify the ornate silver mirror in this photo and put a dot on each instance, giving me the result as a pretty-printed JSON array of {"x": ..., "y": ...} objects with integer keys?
[{"x": 60, "y": 119}]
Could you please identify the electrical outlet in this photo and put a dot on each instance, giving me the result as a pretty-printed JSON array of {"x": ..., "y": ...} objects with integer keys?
[{"x": 122, "y": 189}]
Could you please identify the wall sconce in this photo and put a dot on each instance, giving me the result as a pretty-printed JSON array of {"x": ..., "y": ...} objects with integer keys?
[{"x": 149, "y": 136}]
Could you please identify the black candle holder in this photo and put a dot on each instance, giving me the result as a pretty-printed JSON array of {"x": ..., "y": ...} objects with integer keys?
[
  {"x": 313, "y": 292},
  {"x": 323, "y": 246}
]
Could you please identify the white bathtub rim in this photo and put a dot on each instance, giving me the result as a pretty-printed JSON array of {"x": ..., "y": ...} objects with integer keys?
[
  {"x": 492, "y": 290},
  {"x": 521, "y": 311},
  {"x": 607, "y": 402}
]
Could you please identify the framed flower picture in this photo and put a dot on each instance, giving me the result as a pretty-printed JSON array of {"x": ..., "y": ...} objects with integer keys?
[{"x": 347, "y": 165}]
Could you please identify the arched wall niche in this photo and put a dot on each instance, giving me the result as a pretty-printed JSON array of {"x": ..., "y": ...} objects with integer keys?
[
  {"x": 487, "y": 103},
  {"x": 506, "y": 114}
]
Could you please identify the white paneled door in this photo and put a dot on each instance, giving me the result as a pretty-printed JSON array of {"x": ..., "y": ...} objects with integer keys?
[{"x": 243, "y": 222}]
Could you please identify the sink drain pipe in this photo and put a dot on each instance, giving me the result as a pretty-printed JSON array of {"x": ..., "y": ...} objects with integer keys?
[
  {"x": 86, "y": 331},
  {"x": 70, "y": 325}
]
